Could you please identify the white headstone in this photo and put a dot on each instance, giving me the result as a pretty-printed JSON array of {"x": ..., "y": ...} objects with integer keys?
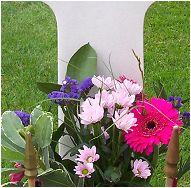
[{"x": 111, "y": 27}]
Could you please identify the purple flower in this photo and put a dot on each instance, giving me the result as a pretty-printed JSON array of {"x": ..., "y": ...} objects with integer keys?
[
  {"x": 176, "y": 101},
  {"x": 56, "y": 96},
  {"x": 38, "y": 183},
  {"x": 69, "y": 85},
  {"x": 186, "y": 115},
  {"x": 171, "y": 98},
  {"x": 86, "y": 84},
  {"x": 25, "y": 118},
  {"x": 73, "y": 95}
]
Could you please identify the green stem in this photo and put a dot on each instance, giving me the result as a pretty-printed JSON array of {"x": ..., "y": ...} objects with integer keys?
[
  {"x": 97, "y": 132},
  {"x": 155, "y": 157},
  {"x": 119, "y": 141},
  {"x": 154, "y": 160}
]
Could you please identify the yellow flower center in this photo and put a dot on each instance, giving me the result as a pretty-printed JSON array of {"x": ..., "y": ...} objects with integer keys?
[
  {"x": 89, "y": 159},
  {"x": 138, "y": 172},
  {"x": 85, "y": 171}
]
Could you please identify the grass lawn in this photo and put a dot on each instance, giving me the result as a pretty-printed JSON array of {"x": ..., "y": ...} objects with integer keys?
[{"x": 29, "y": 55}]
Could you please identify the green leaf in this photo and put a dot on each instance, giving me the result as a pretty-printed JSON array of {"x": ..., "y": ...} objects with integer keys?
[
  {"x": 184, "y": 168},
  {"x": 44, "y": 130},
  {"x": 80, "y": 182},
  {"x": 7, "y": 171},
  {"x": 163, "y": 149},
  {"x": 138, "y": 182},
  {"x": 48, "y": 87},
  {"x": 68, "y": 164},
  {"x": 35, "y": 114},
  {"x": 7, "y": 143},
  {"x": 11, "y": 155},
  {"x": 57, "y": 135},
  {"x": 100, "y": 172},
  {"x": 11, "y": 124},
  {"x": 11, "y": 184},
  {"x": 74, "y": 150},
  {"x": 112, "y": 174},
  {"x": 56, "y": 178},
  {"x": 159, "y": 90},
  {"x": 83, "y": 63},
  {"x": 71, "y": 125}
]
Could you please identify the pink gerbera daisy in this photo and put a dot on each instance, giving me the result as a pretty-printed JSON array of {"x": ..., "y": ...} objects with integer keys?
[{"x": 154, "y": 127}]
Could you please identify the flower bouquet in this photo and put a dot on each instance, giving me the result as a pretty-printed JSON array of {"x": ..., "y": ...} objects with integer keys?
[{"x": 116, "y": 133}]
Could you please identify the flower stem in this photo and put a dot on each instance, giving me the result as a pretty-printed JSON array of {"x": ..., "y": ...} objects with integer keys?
[{"x": 154, "y": 160}]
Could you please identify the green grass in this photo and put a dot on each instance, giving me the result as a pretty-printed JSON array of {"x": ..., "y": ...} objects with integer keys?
[
  {"x": 29, "y": 54},
  {"x": 166, "y": 57}
]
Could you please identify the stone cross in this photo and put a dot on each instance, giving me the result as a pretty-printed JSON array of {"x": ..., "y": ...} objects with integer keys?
[{"x": 112, "y": 28}]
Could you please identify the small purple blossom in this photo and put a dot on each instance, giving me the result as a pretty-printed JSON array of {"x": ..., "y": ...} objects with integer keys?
[
  {"x": 38, "y": 183},
  {"x": 25, "y": 118},
  {"x": 176, "y": 101},
  {"x": 86, "y": 84},
  {"x": 171, "y": 99},
  {"x": 186, "y": 115},
  {"x": 56, "y": 96},
  {"x": 69, "y": 85}
]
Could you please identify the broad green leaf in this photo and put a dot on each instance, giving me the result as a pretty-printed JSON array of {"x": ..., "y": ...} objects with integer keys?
[
  {"x": 7, "y": 171},
  {"x": 7, "y": 143},
  {"x": 83, "y": 63},
  {"x": 68, "y": 164},
  {"x": 56, "y": 178},
  {"x": 74, "y": 150},
  {"x": 57, "y": 135},
  {"x": 35, "y": 114},
  {"x": 11, "y": 155},
  {"x": 11, "y": 124},
  {"x": 44, "y": 130},
  {"x": 10, "y": 184},
  {"x": 112, "y": 174},
  {"x": 80, "y": 182},
  {"x": 48, "y": 87},
  {"x": 100, "y": 172},
  {"x": 70, "y": 123}
]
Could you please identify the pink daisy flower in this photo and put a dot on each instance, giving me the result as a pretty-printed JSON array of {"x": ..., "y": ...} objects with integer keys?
[
  {"x": 104, "y": 83},
  {"x": 141, "y": 169},
  {"x": 124, "y": 120},
  {"x": 132, "y": 86},
  {"x": 105, "y": 133},
  {"x": 84, "y": 170},
  {"x": 92, "y": 112},
  {"x": 154, "y": 127},
  {"x": 17, "y": 176},
  {"x": 87, "y": 155}
]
